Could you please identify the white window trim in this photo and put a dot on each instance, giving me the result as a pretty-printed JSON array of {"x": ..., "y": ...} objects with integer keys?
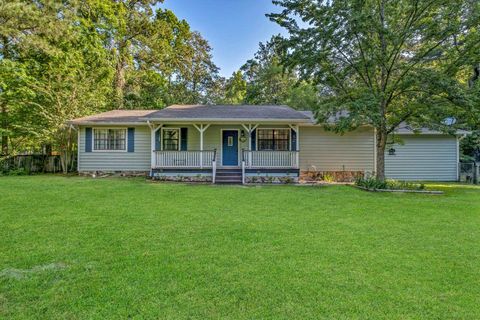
[
  {"x": 270, "y": 128},
  {"x": 179, "y": 137},
  {"x": 109, "y": 151}
]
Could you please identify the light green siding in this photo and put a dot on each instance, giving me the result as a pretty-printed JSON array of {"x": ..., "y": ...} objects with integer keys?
[
  {"x": 118, "y": 161},
  {"x": 321, "y": 150},
  {"x": 423, "y": 157}
]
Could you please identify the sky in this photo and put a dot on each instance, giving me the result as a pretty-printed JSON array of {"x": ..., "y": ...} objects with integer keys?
[{"x": 233, "y": 28}]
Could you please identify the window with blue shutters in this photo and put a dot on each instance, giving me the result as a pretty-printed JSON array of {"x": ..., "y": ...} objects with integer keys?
[
  {"x": 105, "y": 139},
  {"x": 273, "y": 139}
]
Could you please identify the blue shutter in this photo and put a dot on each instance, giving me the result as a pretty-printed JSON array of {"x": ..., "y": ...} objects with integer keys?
[
  {"x": 131, "y": 140},
  {"x": 294, "y": 140},
  {"x": 254, "y": 139},
  {"x": 157, "y": 140},
  {"x": 184, "y": 137},
  {"x": 88, "y": 139}
]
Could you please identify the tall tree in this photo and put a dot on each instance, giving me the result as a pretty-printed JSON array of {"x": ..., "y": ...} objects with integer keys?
[
  {"x": 269, "y": 82},
  {"x": 123, "y": 23},
  {"x": 383, "y": 61},
  {"x": 199, "y": 73},
  {"x": 235, "y": 89}
]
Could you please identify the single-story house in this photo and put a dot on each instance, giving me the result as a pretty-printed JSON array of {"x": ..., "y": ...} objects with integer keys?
[{"x": 251, "y": 144}]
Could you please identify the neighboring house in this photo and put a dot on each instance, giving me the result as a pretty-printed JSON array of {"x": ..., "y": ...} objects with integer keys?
[{"x": 251, "y": 144}]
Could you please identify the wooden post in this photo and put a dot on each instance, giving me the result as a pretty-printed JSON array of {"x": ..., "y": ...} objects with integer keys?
[
  {"x": 201, "y": 129},
  {"x": 153, "y": 131}
]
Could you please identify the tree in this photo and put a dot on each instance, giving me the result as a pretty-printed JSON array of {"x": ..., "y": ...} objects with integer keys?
[
  {"x": 384, "y": 61},
  {"x": 269, "y": 82},
  {"x": 127, "y": 22},
  {"x": 199, "y": 75},
  {"x": 235, "y": 89},
  {"x": 57, "y": 69}
]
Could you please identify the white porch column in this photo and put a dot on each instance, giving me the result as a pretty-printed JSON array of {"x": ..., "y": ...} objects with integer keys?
[
  {"x": 250, "y": 129},
  {"x": 296, "y": 128},
  {"x": 201, "y": 128},
  {"x": 153, "y": 131}
]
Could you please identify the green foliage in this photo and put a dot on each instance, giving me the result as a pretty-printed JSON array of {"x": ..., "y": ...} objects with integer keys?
[
  {"x": 268, "y": 82},
  {"x": 374, "y": 184},
  {"x": 470, "y": 147},
  {"x": 15, "y": 172},
  {"x": 235, "y": 89},
  {"x": 386, "y": 62},
  {"x": 63, "y": 60},
  {"x": 328, "y": 178}
]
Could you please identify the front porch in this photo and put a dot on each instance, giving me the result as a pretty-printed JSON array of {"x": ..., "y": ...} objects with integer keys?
[{"x": 204, "y": 151}]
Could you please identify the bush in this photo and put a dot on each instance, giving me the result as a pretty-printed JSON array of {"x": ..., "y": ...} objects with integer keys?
[
  {"x": 373, "y": 183},
  {"x": 15, "y": 172}
]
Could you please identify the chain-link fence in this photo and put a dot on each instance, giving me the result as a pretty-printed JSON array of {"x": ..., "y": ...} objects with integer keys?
[{"x": 469, "y": 172}]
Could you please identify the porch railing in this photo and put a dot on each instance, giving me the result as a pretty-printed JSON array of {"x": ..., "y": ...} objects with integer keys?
[
  {"x": 184, "y": 159},
  {"x": 271, "y": 159}
]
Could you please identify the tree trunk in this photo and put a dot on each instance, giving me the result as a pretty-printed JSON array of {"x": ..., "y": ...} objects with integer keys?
[
  {"x": 3, "y": 109},
  {"x": 4, "y": 126},
  {"x": 381, "y": 137},
  {"x": 119, "y": 85}
]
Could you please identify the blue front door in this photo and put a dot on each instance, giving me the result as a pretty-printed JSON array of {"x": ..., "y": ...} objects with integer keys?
[{"x": 230, "y": 148}]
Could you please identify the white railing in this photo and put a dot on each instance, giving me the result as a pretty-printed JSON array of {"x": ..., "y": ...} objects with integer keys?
[
  {"x": 184, "y": 159},
  {"x": 271, "y": 159}
]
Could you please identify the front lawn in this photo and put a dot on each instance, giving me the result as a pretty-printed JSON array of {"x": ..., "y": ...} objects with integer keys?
[{"x": 79, "y": 248}]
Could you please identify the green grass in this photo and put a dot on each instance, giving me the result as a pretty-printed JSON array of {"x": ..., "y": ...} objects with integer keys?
[{"x": 79, "y": 248}]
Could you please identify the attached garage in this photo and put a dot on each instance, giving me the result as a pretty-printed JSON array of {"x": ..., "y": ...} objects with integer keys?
[{"x": 423, "y": 157}]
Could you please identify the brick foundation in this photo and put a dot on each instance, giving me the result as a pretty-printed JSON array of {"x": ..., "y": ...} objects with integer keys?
[{"x": 330, "y": 176}]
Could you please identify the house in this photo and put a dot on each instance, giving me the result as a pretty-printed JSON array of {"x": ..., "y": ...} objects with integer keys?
[{"x": 251, "y": 144}]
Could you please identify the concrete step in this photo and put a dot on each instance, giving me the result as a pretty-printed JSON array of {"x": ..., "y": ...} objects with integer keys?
[
  {"x": 223, "y": 174},
  {"x": 228, "y": 182}
]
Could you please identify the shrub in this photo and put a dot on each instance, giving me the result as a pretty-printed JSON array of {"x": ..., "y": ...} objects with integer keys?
[
  {"x": 373, "y": 183},
  {"x": 328, "y": 178}
]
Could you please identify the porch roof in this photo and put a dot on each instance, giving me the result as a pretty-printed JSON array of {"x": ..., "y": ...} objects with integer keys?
[
  {"x": 198, "y": 113},
  {"x": 229, "y": 113},
  {"x": 114, "y": 117}
]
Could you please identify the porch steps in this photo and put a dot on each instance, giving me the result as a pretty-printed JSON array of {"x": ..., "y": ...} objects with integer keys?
[{"x": 228, "y": 176}]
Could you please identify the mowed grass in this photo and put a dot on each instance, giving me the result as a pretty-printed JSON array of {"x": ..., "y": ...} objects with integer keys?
[{"x": 79, "y": 248}]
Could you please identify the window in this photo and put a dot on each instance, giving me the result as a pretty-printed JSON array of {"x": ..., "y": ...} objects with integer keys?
[
  {"x": 273, "y": 139},
  {"x": 110, "y": 139},
  {"x": 171, "y": 139}
]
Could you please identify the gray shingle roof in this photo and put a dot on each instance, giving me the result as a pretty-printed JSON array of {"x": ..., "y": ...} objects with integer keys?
[
  {"x": 228, "y": 112},
  {"x": 403, "y": 128},
  {"x": 115, "y": 116}
]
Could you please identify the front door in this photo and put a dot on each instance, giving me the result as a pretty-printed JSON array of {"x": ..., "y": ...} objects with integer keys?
[{"x": 230, "y": 148}]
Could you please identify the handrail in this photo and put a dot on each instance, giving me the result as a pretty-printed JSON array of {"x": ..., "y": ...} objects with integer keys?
[{"x": 214, "y": 166}]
